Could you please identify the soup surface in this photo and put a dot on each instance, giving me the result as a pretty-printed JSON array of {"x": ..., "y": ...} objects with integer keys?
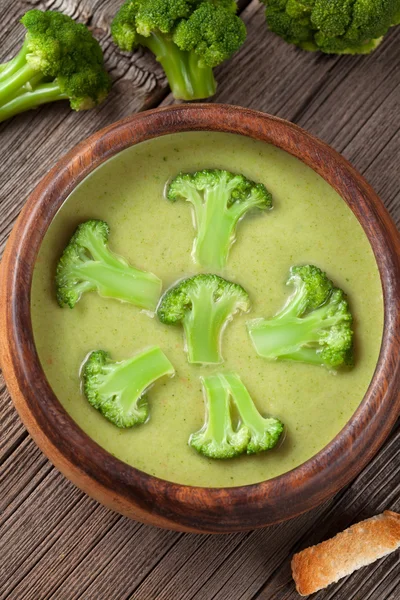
[{"x": 310, "y": 223}]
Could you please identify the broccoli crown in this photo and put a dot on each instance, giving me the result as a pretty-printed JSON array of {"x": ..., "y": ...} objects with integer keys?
[
  {"x": 313, "y": 287},
  {"x": 78, "y": 251},
  {"x": 336, "y": 341},
  {"x": 333, "y": 26},
  {"x": 212, "y": 32},
  {"x": 239, "y": 189},
  {"x": 315, "y": 325},
  {"x": 211, "y": 28},
  {"x": 219, "y": 199},
  {"x": 178, "y": 300},
  {"x": 218, "y": 438},
  {"x": 187, "y": 37},
  {"x": 87, "y": 264},
  {"x": 204, "y": 304},
  {"x": 142, "y": 17},
  {"x": 64, "y": 50},
  {"x": 118, "y": 389}
]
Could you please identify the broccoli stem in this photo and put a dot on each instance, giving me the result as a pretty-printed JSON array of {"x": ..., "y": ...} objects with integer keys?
[
  {"x": 204, "y": 323},
  {"x": 216, "y": 222},
  {"x": 265, "y": 431},
  {"x": 307, "y": 355},
  {"x": 244, "y": 404},
  {"x": 218, "y": 422},
  {"x": 188, "y": 81},
  {"x": 26, "y": 100},
  {"x": 121, "y": 282},
  {"x": 285, "y": 336},
  {"x": 18, "y": 79},
  {"x": 215, "y": 232},
  {"x": 10, "y": 67},
  {"x": 133, "y": 377}
]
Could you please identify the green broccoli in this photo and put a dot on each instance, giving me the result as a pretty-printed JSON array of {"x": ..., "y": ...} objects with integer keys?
[
  {"x": 220, "y": 199},
  {"x": 188, "y": 38},
  {"x": 315, "y": 326},
  {"x": 264, "y": 432},
  {"x": 118, "y": 389},
  {"x": 333, "y": 26},
  {"x": 59, "y": 59},
  {"x": 218, "y": 438},
  {"x": 87, "y": 264},
  {"x": 203, "y": 304}
]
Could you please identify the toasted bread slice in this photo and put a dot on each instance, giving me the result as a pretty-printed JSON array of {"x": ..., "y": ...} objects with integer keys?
[{"x": 318, "y": 566}]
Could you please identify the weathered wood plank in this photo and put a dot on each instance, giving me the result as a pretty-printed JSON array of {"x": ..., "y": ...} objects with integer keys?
[
  {"x": 12, "y": 432},
  {"x": 71, "y": 544},
  {"x": 35, "y": 525},
  {"x": 135, "y": 556},
  {"x": 187, "y": 568},
  {"x": 19, "y": 478}
]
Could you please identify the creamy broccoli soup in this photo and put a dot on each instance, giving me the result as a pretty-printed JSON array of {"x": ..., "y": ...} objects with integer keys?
[{"x": 309, "y": 224}]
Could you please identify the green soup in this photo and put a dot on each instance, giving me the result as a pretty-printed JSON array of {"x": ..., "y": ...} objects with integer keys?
[{"x": 310, "y": 223}]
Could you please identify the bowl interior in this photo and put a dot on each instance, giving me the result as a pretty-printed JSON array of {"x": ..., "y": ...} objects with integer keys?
[{"x": 134, "y": 492}]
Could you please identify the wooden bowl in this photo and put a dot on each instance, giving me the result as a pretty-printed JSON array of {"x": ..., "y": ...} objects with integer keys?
[{"x": 122, "y": 487}]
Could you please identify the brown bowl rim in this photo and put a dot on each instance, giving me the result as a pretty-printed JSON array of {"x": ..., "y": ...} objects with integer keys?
[{"x": 125, "y": 488}]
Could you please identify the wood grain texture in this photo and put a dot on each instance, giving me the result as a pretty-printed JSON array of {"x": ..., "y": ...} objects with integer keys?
[{"x": 350, "y": 102}]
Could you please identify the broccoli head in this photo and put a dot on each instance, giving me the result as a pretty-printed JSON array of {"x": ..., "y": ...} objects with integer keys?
[
  {"x": 88, "y": 264},
  {"x": 59, "y": 59},
  {"x": 203, "y": 304},
  {"x": 315, "y": 326},
  {"x": 218, "y": 438},
  {"x": 333, "y": 26},
  {"x": 219, "y": 199},
  {"x": 118, "y": 389},
  {"x": 188, "y": 38}
]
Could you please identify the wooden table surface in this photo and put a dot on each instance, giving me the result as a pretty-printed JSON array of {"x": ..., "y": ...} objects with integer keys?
[{"x": 57, "y": 543}]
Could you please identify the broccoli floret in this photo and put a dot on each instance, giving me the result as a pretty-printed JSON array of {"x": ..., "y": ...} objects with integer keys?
[
  {"x": 333, "y": 26},
  {"x": 203, "y": 304},
  {"x": 118, "y": 389},
  {"x": 315, "y": 326},
  {"x": 87, "y": 264},
  {"x": 220, "y": 199},
  {"x": 218, "y": 438},
  {"x": 188, "y": 38},
  {"x": 59, "y": 59},
  {"x": 264, "y": 432}
]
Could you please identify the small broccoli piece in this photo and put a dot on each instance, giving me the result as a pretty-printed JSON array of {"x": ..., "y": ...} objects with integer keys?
[
  {"x": 59, "y": 59},
  {"x": 333, "y": 26},
  {"x": 188, "y": 38},
  {"x": 118, "y": 389},
  {"x": 87, "y": 264},
  {"x": 315, "y": 326},
  {"x": 220, "y": 199},
  {"x": 218, "y": 438},
  {"x": 264, "y": 432},
  {"x": 203, "y": 304}
]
